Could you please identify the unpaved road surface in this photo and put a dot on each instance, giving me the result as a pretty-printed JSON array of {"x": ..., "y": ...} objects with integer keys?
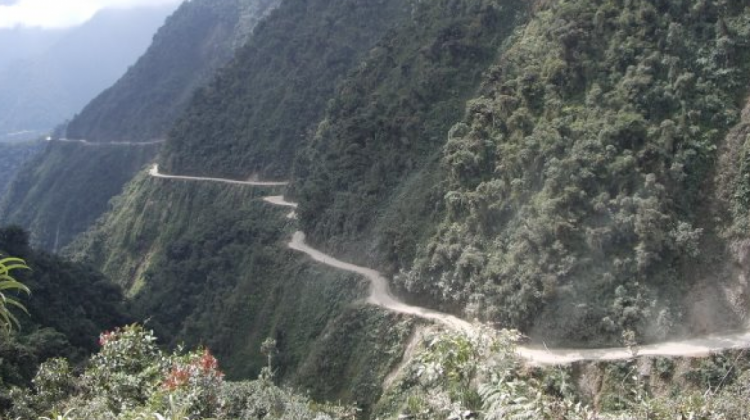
[
  {"x": 108, "y": 143},
  {"x": 155, "y": 173},
  {"x": 381, "y": 295}
]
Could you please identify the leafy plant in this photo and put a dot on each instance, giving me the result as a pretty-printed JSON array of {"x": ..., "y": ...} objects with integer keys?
[{"x": 9, "y": 286}]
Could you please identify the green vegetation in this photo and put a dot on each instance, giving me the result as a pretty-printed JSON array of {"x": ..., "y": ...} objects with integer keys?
[
  {"x": 70, "y": 304},
  {"x": 478, "y": 373},
  {"x": 62, "y": 191},
  {"x": 207, "y": 263},
  {"x": 8, "y": 288},
  {"x": 575, "y": 199},
  {"x": 131, "y": 378},
  {"x": 195, "y": 41},
  {"x": 371, "y": 167},
  {"x": 13, "y": 156},
  {"x": 251, "y": 119}
]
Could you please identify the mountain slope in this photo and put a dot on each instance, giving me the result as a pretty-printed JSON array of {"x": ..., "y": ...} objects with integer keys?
[
  {"x": 578, "y": 203},
  {"x": 61, "y": 193},
  {"x": 371, "y": 168},
  {"x": 195, "y": 41},
  {"x": 250, "y": 120}
]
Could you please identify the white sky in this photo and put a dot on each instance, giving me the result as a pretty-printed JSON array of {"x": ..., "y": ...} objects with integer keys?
[{"x": 61, "y": 13}]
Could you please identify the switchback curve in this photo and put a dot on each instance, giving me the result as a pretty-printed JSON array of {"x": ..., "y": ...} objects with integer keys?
[{"x": 381, "y": 295}]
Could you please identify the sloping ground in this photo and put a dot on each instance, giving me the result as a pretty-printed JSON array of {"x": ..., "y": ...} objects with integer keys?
[
  {"x": 380, "y": 295},
  {"x": 198, "y": 39},
  {"x": 60, "y": 194},
  {"x": 261, "y": 107},
  {"x": 62, "y": 191},
  {"x": 206, "y": 263},
  {"x": 574, "y": 206}
]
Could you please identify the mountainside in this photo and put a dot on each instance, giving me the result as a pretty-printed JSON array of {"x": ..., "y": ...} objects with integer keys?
[
  {"x": 371, "y": 168},
  {"x": 250, "y": 120},
  {"x": 60, "y": 194},
  {"x": 39, "y": 92},
  {"x": 206, "y": 262},
  {"x": 574, "y": 200},
  {"x": 196, "y": 40},
  {"x": 12, "y": 158},
  {"x": 576, "y": 169}
]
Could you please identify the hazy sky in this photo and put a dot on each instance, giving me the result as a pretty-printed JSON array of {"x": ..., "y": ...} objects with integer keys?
[{"x": 61, "y": 13}]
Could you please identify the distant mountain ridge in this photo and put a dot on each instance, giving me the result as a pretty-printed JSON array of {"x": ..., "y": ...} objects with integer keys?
[
  {"x": 195, "y": 41},
  {"x": 38, "y": 92},
  {"x": 53, "y": 196}
]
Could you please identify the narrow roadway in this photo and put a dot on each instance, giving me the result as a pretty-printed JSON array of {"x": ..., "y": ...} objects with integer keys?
[
  {"x": 106, "y": 143},
  {"x": 381, "y": 295}
]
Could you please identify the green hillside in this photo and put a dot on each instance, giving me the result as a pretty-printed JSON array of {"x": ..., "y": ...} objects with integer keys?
[
  {"x": 207, "y": 264},
  {"x": 577, "y": 170},
  {"x": 371, "y": 168},
  {"x": 252, "y": 118},
  {"x": 62, "y": 192},
  {"x": 579, "y": 196},
  {"x": 13, "y": 156},
  {"x": 194, "y": 42}
]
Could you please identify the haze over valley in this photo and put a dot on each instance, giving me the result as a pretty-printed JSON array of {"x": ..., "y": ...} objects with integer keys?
[{"x": 375, "y": 209}]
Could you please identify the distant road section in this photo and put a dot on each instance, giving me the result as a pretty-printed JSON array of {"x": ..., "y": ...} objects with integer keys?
[
  {"x": 155, "y": 173},
  {"x": 380, "y": 295},
  {"x": 110, "y": 143}
]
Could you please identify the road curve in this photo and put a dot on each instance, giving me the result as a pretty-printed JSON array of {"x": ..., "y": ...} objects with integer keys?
[
  {"x": 381, "y": 295},
  {"x": 155, "y": 173},
  {"x": 107, "y": 143}
]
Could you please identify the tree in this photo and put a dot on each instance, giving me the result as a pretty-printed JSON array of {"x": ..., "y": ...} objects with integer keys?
[{"x": 10, "y": 285}]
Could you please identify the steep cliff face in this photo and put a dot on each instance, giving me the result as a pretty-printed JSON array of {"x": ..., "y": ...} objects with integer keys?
[
  {"x": 578, "y": 201},
  {"x": 577, "y": 169},
  {"x": 251, "y": 119},
  {"x": 59, "y": 194},
  {"x": 196, "y": 40},
  {"x": 371, "y": 170},
  {"x": 61, "y": 191},
  {"x": 573, "y": 198}
]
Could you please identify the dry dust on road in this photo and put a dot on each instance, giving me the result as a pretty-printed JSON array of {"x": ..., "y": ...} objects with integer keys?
[{"x": 381, "y": 295}]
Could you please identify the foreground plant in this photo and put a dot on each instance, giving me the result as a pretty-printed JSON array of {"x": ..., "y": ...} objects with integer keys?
[{"x": 8, "y": 284}]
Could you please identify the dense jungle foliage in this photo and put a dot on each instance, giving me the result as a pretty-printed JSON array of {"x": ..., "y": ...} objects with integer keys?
[
  {"x": 450, "y": 376},
  {"x": 207, "y": 263},
  {"x": 132, "y": 378},
  {"x": 61, "y": 192},
  {"x": 69, "y": 305},
  {"x": 251, "y": 119},
  {"x": 578, "y": 182},
  {"x": 370, "y": 167},
  {"x": 195, "y": 41},
  {"x": 13, "y": 156}
]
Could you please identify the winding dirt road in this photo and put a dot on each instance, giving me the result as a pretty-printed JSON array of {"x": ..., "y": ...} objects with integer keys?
[{"x": 381, "y": 295}]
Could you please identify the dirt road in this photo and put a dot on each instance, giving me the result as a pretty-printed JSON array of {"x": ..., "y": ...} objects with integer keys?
[{"x": 381, "y": 295}]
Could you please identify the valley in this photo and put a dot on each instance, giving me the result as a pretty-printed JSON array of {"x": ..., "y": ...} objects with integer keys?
[{"x": 396, "y": 209}]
